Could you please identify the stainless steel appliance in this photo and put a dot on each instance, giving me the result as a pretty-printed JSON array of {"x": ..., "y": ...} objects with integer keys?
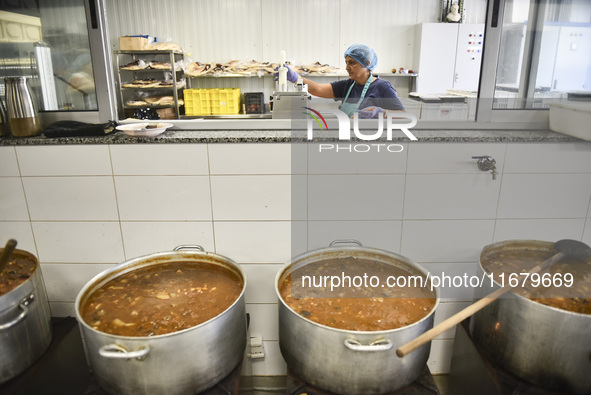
[
  {"x": 183, "y": 362},
  {"x": 544, "y": 345},
  {"x": 346, "y": 361},
  {"x": 290, "y": 105},
  {"x": 25, "y": 323}
]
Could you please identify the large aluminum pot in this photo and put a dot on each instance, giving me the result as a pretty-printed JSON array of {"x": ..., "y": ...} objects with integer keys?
[
  {"x": 25, "y": 322},
  {"x": 183, "y": 362},
  {"x": 346, "y": 361},
  {"x": 541, "y": 344}
]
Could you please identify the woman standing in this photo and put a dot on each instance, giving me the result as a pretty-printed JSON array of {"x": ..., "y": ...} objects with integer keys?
[{"x": 363, "y": 92}]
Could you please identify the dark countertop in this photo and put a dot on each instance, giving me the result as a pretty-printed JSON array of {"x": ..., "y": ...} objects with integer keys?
[{"x": 287, "y": 136}]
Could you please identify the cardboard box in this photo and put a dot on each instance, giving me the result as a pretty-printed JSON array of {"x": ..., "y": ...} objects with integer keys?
[{"x": 134, "y": 43}]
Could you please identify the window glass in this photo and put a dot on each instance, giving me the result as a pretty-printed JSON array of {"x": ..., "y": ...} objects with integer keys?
[
  {"x": 545, "y": 53},
  {"x": 47, "y": 42}
]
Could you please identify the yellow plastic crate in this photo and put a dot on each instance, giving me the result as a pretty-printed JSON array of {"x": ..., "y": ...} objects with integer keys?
[
  {"x": 225, "y": 101},
  {"x": 197, "y": 101}
]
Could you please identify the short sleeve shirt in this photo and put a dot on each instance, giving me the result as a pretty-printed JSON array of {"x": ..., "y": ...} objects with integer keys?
[{"x": 380, "y": 94}]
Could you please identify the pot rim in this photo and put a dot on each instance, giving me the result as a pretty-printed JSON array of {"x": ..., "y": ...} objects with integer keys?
[
  {"x": 540, "y": 244},
  {"x": 136, "y": 263},
  {"x": 358, "y": 248},
  {"x": 23, "y": 284}
]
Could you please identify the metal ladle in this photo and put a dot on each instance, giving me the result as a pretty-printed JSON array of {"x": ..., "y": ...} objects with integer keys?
[
  {"x": 565, "y": 248},
  {"x": 7, "y": 253}
]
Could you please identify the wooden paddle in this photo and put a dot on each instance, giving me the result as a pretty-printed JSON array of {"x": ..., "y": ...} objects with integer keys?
[{"x": 564, "y": 248}]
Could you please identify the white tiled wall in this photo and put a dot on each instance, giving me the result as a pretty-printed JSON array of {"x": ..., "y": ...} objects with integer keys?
[{"x": 82, "y": 209}]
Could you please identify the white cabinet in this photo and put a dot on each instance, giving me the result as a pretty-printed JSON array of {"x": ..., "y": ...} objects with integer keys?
[{"x": 448, "y": 56}]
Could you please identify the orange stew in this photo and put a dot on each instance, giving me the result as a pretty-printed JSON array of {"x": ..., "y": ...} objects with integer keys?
[
  {"x": 371, "y": 306},
  {"x": 18, "y": 270},
  {"x": 161, "y": 299},
  {"x": 575, "y": 298}
]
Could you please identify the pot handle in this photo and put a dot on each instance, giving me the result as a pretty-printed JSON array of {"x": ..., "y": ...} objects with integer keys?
[
  {"x": 119, "y": 352},
  {"x": 345, "y": 241},
  {"x": 24, "y": 306},
  {"x": 376, "y": 345},
  {"x": 188, "y": 247}
]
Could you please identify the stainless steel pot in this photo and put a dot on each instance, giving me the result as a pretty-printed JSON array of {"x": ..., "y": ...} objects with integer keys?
[
  {"x": 544, "y": 345},
  {"x": 345, "y": 361},
  {"x": 25, "y": 323},
  {"x": 183, "y": 362}
]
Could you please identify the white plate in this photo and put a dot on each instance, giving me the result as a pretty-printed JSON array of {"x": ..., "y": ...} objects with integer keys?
[{"x": 139, "y": 129}]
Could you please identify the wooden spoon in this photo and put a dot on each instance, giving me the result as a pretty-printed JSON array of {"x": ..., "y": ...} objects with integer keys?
[
  {"x": 564, "y": 248},
  {"x": 7, "y": 253}
]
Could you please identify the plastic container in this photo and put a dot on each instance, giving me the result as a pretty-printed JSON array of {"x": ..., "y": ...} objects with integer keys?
[
  {"x": 254, "y": 102},
  {"x": 435, "y": 111},
  {"x": 459, "y": 111},
  {"x": 225, "y": 101},
  {"x": 571, "y": 118},
  {"x": 197, "y": 101},
  {"x": 412, "y": 107},
  {"x": 444, "y": 111},
  {"x": 212, "y": 101}
]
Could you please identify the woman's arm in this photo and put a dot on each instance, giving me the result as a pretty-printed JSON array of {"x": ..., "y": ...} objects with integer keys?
[{"x": 320, "y": 90}]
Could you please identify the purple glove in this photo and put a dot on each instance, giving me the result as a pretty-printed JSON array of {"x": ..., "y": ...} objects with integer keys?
[
  {"x": 292, "y": 76},
  {"x": 370, "y": 112}
]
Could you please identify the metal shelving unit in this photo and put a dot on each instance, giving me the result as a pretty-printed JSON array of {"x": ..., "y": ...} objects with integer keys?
[{"x": 170, "y": 56}]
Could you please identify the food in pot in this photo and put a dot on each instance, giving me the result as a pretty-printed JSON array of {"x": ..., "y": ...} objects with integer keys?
[
  {"x": 372, "y": 301},
  {"x": 17, "y": 271},
  {"x": 567, "y": 284},
  {"x": 160, "y": 299}
]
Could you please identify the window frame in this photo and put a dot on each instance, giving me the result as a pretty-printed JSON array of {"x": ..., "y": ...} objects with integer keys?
[
  {"x": 485, "y": 113},
  {"x": 103, "y": 74},
  {"x": 486, "y": 116}
]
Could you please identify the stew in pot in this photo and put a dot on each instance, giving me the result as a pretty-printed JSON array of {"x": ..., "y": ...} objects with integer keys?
[
  {"x": 160, "y": 299},
  {"x": 18, "y": 270},
  {"x": 566, "y": 285},
  {"x": 378, "y": 303}
]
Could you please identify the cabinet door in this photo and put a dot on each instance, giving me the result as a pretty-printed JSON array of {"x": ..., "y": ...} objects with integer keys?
[
  {"x": 468, "y": 56},
  {"x": 436, "y": 57}
]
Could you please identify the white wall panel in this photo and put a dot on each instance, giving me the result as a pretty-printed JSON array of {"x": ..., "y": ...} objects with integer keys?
[
  {"x": 21, "y": 232},
  {"x": 8, "y": 163},
  {"x": 71, "y": 198},
  {"x": 251, "y": 158},
  {"x": 78, "y": 242},
  {"x": 66, "y": 160},
  {"x": 159, "y": 159},
  {"x": 14, "y": 205},
  {"x": 308, "y": 30},
  {"x": 142, "y": 238},
  {"x": 385, "y": 25},
  {"x": 207, "y": 30}
]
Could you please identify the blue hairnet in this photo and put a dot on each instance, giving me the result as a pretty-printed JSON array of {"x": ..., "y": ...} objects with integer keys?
[{"x": 363, "y": 54}]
